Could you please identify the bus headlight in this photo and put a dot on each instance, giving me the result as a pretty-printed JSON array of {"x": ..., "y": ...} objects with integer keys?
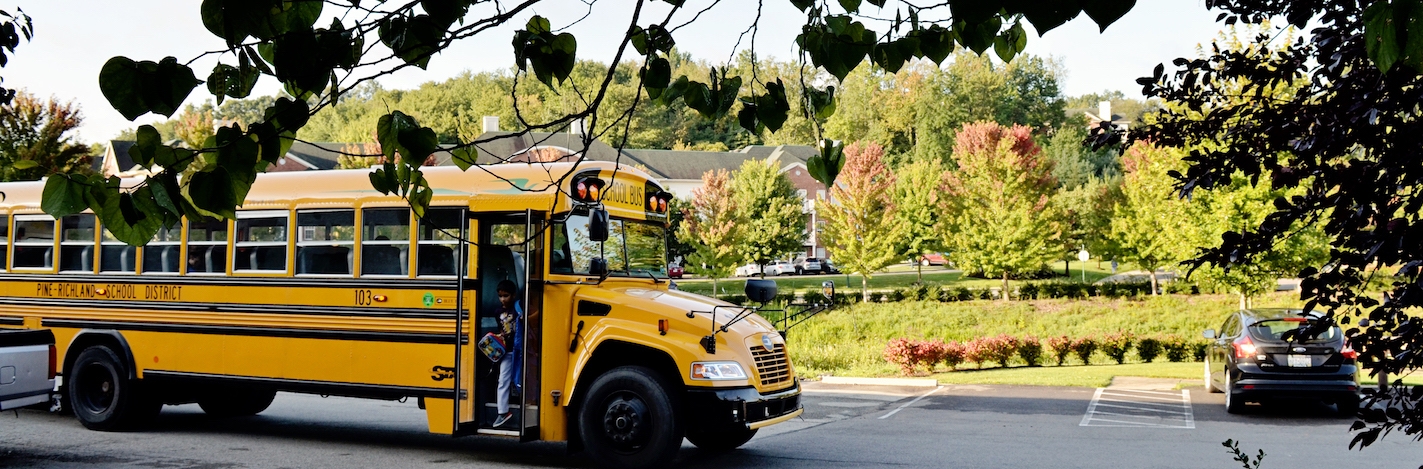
[{"x": 717, "y": 371}]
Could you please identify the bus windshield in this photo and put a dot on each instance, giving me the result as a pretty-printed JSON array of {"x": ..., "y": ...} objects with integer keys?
[{"x": 633, "y": 248}]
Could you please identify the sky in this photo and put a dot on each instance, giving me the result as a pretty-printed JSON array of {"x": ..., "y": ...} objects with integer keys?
[{"x": 73, "y": 39}]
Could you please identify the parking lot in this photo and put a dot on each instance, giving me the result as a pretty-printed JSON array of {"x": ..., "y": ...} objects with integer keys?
[{"x": 1137, "y": 423}]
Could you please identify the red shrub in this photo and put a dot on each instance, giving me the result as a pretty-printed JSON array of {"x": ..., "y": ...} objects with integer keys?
[
  {"x": 1061, "y": 347},
  {"x": 1031, "y": 350},
  {"x": 999, "y": 349}
]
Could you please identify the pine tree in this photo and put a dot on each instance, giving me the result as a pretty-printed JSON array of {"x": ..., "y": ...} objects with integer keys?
[{"x": 860, "y": 226}]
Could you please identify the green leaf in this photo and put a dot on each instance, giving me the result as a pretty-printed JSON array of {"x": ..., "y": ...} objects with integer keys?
[
  {"x": 802, "y": 4},
  {"x": 165, "y": 189},
  {"x": 228, "y": 19},
  {"x": 269, "y": 143},
  {"x": 64, "y": 195},
  {"x": 1106, "y": 12},
  {"x": 383, "y": 178},
  {"x": 675, "y": 90},
  {"x": 228, "y": 81},
  {"x": 1381, "y": 35},
  {"x": 638, "y": 37},
  {"x": 773, "y": 108},
  {"x": 464, "y": 157},
  {"x": 850, "y": 6},
  {"x": 24, "y": 164},
  {"x": 145, "y": 149},
  {"x": 300, "y": 62},
  {"x": 978, "y": 36},
  {"x": 122, "y": 85},
  {"x": 388, "y": 131},
  {"x": 211, "y": 193},
  {"x": 552, "y": 56},
  {"x": 936, "y": 43},
  {"x": 975, "y": 11},
  {"x": 131, "y": 217},
  {"x": 288, "y": 115},
  {"x": 136, "y": 88},
  {"x": 657, "y": 75},
  {"x": 746, "y": 117},
  {"x": 698, "y": 97},
  {"x": 417, "y": 144},
  {"x": 826, "y": 166},
  {"x": 891, "y": 56},
  {"x": 1011, "y": 42},
  {"x": 1045, "y": 16},
  {"x": 1412, "y": 48},
  {"x": 414, "y": 40},
  {"x": 822, "y": 103}
]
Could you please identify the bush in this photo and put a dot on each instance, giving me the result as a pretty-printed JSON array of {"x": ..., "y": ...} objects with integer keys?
[
  {"x": 1030, "y": 349},
  {"x": 976, "y": 351},
  {"x": 1083, "y": 348},
  {"x": 1148, "y": 349},
  {"x": 902, "y": 352},
  {"x": 1000, "y": 349},
  {"x": 1198, "y": 350},
  {"x": 1176, "y": 348},
  {"x": 894, "y": 296},
  {"x": 1061, "y": 346},
  {"x": 1028, "y": 291},
  {"x": 1116, "y": 346},
  {"x": 963, "y": 294},
  {"x": 952, "y": 354}
]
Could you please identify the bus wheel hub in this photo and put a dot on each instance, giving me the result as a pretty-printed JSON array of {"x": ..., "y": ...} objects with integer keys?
[{"x": 623, "y": 421}]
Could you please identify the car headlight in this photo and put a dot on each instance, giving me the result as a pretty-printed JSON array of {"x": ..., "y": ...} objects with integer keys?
[{"x": 717, "y": 371}]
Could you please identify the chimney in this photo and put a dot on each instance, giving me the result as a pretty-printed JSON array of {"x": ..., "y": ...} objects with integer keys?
[
  {"x": 491, "y": 123},
  {"x": 576, "y": 127},
  {"x": 1104, "y": 110}
]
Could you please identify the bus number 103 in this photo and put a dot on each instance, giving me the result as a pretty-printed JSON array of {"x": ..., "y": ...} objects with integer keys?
[{"x": 364, "y": 298}]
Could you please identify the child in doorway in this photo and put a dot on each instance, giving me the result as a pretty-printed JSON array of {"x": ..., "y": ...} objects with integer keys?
[{"x": 508, "y": 314}]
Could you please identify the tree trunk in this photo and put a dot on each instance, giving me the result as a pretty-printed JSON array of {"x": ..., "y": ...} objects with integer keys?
[
  {"x": 1005, "y": 285},
  {"x": 920, "y": 266},
  {"x": 864, "y": 289},
  {"x": 1154, "y": 288},
  {"x": 1067, "y": 267},
  {"x": 715, "y": 294}
]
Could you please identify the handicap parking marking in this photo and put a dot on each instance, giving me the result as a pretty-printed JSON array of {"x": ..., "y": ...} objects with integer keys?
[{"x": 1139, "y": 408}]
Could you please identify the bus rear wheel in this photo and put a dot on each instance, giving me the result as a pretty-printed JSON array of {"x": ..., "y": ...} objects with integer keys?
[
  {"x": 627, "y": 420},
  {"x": 723, "y": 440},
  {"x": 101, "y": 394},
  {"x": 236, "y": 402}
]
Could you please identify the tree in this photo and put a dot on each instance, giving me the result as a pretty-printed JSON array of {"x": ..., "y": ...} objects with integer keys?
[
  {"x": 13, "y": 26},
  {"x": 36, "y": 139},
  {"x": 194, "y": 126},
  {"x": 1151, "y": 227},
  {"x": 769, "y": 212},
  {"x": 861, "y": 231},
  {"x": 710, "y": 226},
  {"x": 1087, "y": 179},
  {"x": 998, "y": 216},
  {"x": 916, "y": 203}
]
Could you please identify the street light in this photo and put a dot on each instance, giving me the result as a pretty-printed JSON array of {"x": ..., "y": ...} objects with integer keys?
[{"x": 1083, "y": 256}]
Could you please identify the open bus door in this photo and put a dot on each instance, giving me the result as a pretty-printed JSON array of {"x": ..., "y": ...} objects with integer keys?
[{"x": 509, "y": 248}]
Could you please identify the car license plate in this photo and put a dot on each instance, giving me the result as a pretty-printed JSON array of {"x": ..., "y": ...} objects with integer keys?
[{"x": 1300, "y": 361}]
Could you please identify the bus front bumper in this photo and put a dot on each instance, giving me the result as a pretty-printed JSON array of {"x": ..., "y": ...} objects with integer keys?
[{"x": 741, "y": 407}]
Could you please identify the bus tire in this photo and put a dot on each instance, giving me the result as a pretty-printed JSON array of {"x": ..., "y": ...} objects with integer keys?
[
  {"x": 236, "y": 402},
  {"x": 627, "y": 420},
  {"x": 102, "y": 395},
  {"x": 723, "y": 440}
]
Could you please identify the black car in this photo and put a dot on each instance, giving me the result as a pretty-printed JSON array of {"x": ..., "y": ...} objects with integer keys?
[{"x": 1275, "y": 353}]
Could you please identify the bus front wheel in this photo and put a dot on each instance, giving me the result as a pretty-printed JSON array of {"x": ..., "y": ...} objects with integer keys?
[
  {"x": 101, "y": 394},
  {"x": 627, "y": 420},
  {"x": 724, "y": 440},
  {"x": 236, "y": 402}
]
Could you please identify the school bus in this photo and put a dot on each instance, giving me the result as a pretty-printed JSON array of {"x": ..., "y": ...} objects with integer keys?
[{"x": 321, "y": 284}]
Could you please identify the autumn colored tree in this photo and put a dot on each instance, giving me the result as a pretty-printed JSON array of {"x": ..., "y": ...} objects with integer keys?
[
  {"x": 710, "y": 226},
  {"x": 860, "y": 226},
  {"x": 916, "y": 201},
  {"x": 36, "y": 139},
  {"x": 998, "y": 216},
  {"x": 770, "y": 213},
  {"x": 1152, "y": 227}
]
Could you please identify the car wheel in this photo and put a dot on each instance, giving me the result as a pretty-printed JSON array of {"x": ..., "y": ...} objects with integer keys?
[
  {"x": 102, "y": 395},
  {"x": 627, "y": 420},
  {"x": 236, "y": 402},
  {"x": 720, "y": 440},
  {"x": 1210, "y": 386},
  {"x": 1233, "y": 404}
]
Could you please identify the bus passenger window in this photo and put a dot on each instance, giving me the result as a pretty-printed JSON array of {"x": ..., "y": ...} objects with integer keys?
[
  {"x": 439, "y": 236},
  {"x": 261, "y": 241},
  {"x": 160, "y": 256},
  {"x": 76, "y": 243},
  {"x": 115, "y": 255},
  {"x": 385, "y": 242},
  {"x": 34, "y": 242},
  {"x": 4, "y": 240},
  {"x": 324, "y": 242},
  {"x": 207, "y": 247}
]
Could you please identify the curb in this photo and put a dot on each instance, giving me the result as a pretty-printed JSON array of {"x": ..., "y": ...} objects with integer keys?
[{"x": 909, "y": 382}]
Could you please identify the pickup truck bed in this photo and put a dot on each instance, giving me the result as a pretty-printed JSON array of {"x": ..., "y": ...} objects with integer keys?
[{"x": 26, "y": 366}]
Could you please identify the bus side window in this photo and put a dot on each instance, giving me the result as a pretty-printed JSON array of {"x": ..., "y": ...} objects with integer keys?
[
  {"x": 76, "y": 243},
  {"x": 439, "y": 236},
  {"x": 207, "y": 247},
  {"x": 4, "y": 242},
  {"x": 324, "y": 242},
  {"x": 161, "y": 253},
  {"x": 261, "y": 243},
  {"x": 115, "y": 255},
  {"x": 34, "y": 242},
  {"x": 385, "y": 242}
]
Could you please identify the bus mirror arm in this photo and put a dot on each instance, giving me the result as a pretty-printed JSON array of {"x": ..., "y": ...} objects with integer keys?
[{"x": 577, "y": 334}]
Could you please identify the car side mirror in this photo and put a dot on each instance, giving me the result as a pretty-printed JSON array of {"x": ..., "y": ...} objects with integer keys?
[
  {"x": 598, "y": 225},
  {"x": 827, "y": 288},
  {"x": 760, "y": 290},
  {"x": 1209, "y": 334}
]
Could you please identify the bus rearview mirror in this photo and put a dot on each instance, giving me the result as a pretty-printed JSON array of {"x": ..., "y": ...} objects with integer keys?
[
  {"x": 827, "y": 288},
  {"x": 598, "y": 225},
  {"x": 760, "y": 290},
  {"x": 598, "y": 267}
]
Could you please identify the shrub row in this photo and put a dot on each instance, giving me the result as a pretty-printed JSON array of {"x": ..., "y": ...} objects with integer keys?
[
  {"x": 1024, "y": 291},
  {"x": 911, "y": 354}
]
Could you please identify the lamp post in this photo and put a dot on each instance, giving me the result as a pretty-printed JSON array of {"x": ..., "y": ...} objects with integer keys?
[{"x": 1083, "y": 255}]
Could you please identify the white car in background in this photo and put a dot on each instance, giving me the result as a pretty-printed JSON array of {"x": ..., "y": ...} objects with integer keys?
[
  {"x": 747, "y": 270},
  {"x": 771, "y": 268}
]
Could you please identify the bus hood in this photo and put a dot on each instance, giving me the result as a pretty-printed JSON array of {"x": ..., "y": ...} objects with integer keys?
[{"x": 702, "y": 306}]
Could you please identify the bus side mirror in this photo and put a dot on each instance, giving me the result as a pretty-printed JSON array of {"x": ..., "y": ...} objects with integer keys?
[
  {"x": 827, "y": 288},
  {"x": 598, "y": 225},
  {"x": 760, "y": 290},
  {"x": 598, "y": 267}
]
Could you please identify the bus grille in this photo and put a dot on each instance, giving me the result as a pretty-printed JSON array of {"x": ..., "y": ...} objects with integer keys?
[{"x": 772, "y": 366}]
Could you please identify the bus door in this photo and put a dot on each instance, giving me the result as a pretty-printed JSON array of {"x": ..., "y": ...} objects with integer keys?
[
  {"x": 467, "y": 296},
  {"x": 509, "y": 251}
]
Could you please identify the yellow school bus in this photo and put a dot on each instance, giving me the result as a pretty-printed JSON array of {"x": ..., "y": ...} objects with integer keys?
[{"x": 323, "y": 285}]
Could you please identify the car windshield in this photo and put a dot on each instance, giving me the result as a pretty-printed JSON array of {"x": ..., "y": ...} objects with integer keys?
[
  {"x": 633, "y": 248},
  {"x": 1274, "y": 330}
]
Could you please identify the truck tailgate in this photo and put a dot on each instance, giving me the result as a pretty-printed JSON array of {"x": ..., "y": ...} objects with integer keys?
[{"x": 25, "y": 368}]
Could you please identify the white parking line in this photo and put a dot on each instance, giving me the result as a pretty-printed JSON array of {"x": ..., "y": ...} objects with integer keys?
[
  {"x": 907, "y": 404},
  {"x": 1139, "y": 408}
]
